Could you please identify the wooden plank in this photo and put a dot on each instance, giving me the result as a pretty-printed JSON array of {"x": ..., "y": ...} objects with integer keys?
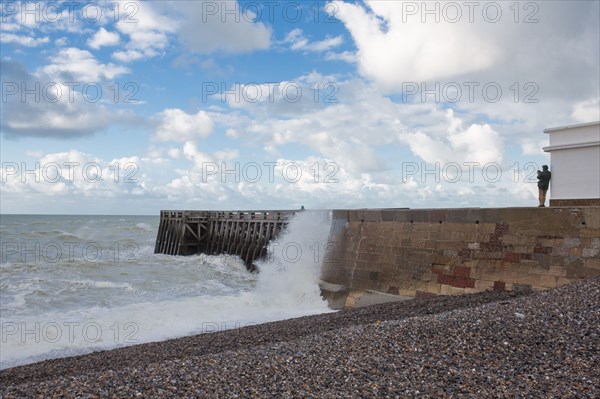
[{"x": 242, "y": 233}]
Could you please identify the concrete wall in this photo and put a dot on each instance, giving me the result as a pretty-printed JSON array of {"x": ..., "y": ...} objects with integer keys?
[
  {"x": 455, "y": 251},
  {"x": 575, "y": 162}
]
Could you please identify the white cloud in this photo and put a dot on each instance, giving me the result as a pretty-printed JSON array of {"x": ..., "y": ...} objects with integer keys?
[
  {"x": 61, "y": 119},
  {"x": 558, "y": 53},
  {"x": 59, "y": 111},
  {"x": 27, "y": 41},
  {"x": 60, "y": 42},
  {"x": 205, "y": 32},
  {"x": 346, "y": 56},
  {"x": 478, "y": 143},
  {"x": 392, "y": 51},
  {"x": 533, "y": 146},
  {"x": 232, "y": 133},
  {"x": 174, "y": 153},
  {"x": 352, "y": 130},
  {"x": 299, "y": 42},
  {"x": 131, "y": 55},
  {"x": 8, "y": 26},
  {"x": 103, "y": 38},
  {"x": 81, "y": 65},
  {"x": 73, "y": 173},
  {"x": 148, "y": 31},
  {"x": 587, "y": 111},
  {"x": 176, "y": 125},
  {"x": 190, "y": 151}
]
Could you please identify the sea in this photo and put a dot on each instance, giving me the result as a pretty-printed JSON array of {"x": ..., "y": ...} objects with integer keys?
[{"x": 71, "y": 285}]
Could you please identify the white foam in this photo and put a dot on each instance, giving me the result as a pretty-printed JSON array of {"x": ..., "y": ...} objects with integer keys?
[{"x": 143, "y": 226}]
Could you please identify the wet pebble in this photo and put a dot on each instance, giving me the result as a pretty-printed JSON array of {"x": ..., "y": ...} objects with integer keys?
[{"x": 544, "y": 344}]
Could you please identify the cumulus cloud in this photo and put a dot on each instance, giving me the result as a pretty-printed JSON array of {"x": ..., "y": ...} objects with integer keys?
[
  {"x": 173, "y": 124},
  {"x": 352, "y": 130},
  {"x": 74, "y": 173},
  {"x": 299, "y": 42},
  {"x": 148, "y": 32},
  {"x": 205, "y": 31},
  {"x": 399, "y": 42},
  {"x": 23, "y": 40},
  {"x": 59, "y": 111},
  {"x": 74, "y": 64},
  {"x": 478, "y": 143},
  {"x": 103, "y": 38},
  {"x": 392, "y": 50}
]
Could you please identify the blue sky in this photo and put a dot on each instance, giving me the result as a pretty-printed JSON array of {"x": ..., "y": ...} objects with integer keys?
[{"x": 116, "y": 107}]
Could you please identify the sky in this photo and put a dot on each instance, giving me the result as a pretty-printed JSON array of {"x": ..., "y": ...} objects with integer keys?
[{"x": 130, "y": 107}]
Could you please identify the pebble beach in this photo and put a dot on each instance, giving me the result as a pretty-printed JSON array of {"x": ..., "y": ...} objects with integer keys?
[{"x": 493, "y": 344}]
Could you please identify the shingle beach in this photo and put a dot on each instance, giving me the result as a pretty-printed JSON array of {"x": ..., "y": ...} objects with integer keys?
[{"x": 494, "y": 344}]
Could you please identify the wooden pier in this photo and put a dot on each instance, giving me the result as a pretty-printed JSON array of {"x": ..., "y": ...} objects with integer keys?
[{"x": 242, "y": 233}]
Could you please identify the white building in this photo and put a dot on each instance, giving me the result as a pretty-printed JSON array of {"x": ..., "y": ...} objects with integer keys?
[{"x": 575, "y": 164}]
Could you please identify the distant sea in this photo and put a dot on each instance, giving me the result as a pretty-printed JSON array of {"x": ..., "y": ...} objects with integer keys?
[{"x": 71, "y": 285}]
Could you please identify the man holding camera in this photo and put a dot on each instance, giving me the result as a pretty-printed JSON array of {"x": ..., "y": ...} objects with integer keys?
[{"x": 543, "y": 183}]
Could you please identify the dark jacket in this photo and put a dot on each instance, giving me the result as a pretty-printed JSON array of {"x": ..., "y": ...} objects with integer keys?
[{"x": 544, "y": 179}]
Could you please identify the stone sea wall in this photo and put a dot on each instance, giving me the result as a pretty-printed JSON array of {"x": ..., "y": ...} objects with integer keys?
[{"x": 425, "y": 252}]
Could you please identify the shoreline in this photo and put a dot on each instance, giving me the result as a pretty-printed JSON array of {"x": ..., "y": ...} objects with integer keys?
[{"x": 392, "y": 349}]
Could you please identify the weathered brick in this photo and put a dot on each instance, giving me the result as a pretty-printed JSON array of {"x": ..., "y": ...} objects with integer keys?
[
  {"x": 445, "y": 290},
  {"x": 511, "y": 239},
  {"x": 530, "y": 279},
  {"x": 557, "y": 271},
  {"x": 575, "y": 252},
  {"x": 433, "y": 287},
  {"x": 590, "y": 252},
  {"x": 492, "y": 246},
  {"x": 438, "y": 269},
  {"x": 548, "y": 242},
  {"x": 442, "y": 260},
  {"x": 512, "y": 257},
  {"x": 593, "y": 263},
  {"x": 548, "y": 281},
  {"x": 499, "y": 286},
  {"x": 491, "y": 274},
  {"x": 459, "y": 282},
  {"x": 501, "y": 228},
  {"x": 571, "y": 242},
  {"x": 540, "y": 249},
  {"x": 462, "y": 271},
  {"x": 445, "y": 279}
]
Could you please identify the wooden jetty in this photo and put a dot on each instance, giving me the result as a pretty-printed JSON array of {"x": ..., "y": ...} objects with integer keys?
[{"x": 242, "y": 233}]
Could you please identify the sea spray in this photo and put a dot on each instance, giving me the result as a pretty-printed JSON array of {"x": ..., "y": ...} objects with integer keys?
[
  {"x": 290, "y": 273},
  {"x": 75, "y": 306}
]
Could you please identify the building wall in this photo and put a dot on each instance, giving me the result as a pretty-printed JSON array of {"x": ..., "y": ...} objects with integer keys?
[
  {"x": 455, "y": 251},
  {"x": 575, "y": 173},
  {"x": 575, "y": 162}
]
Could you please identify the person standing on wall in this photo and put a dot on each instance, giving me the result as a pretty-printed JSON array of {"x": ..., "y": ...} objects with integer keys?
[{"x": 544, "y": 177}]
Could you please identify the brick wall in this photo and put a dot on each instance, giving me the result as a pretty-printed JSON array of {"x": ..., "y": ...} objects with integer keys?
[{"x": 455, "y": 251}]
